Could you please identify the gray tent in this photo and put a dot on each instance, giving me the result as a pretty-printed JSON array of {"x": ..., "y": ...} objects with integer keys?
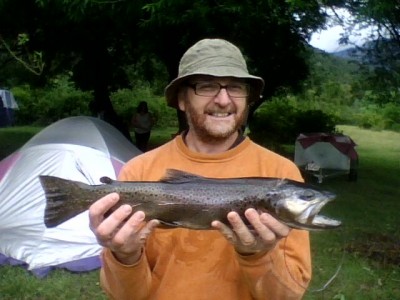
[{"x": 77, "y": 148}]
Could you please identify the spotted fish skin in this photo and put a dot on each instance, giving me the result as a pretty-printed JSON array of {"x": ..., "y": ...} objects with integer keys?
[{"x": 186, "y": 200}]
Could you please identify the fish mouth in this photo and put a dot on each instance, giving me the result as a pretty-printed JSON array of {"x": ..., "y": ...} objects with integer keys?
[{"x": 311, "y": 219}]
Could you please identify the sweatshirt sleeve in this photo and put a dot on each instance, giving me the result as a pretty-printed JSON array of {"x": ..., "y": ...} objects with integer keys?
[
  {"x": 283, "y": 273},
  {"x": 121, "y": 281}
]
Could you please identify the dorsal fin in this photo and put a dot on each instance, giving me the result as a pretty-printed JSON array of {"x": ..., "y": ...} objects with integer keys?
[
  {"x": 178, "y": 176},
  {"x": 106, "y": 180}
]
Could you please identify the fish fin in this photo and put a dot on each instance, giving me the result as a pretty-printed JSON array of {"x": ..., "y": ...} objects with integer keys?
[
  {"x": 59, "y": 194},
  {"x": 170, "y": 224},
  {"x": 106, "y": 180},
  {"x": 178, "y": 176}
]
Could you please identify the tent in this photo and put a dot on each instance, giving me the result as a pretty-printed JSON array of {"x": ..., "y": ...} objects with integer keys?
[
  {"x": 325, "y": 155},
  {"x": 7, "y": 107},
  {"x": 77, "y": 148}
]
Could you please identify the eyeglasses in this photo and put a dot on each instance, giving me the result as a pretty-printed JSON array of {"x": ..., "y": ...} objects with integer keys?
[{"x": 212, "y": 89}]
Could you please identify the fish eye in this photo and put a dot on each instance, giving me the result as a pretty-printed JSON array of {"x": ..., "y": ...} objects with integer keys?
[{"x": 307, "y": 195}]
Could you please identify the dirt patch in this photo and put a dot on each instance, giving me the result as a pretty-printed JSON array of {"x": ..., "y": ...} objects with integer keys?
[{"x": 383, "y": 249}]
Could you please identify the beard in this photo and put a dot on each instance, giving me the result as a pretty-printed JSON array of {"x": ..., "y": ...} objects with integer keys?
[{"x": 212, "y": 130}]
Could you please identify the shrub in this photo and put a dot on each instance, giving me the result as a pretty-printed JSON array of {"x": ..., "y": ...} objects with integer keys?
[
  {"x": 391, "y": 115},
  {"x": 279, "y": 122},
  {"x": 45, "y": 106},
  {"x": 314, "y": 121},
  {"x": 125, "y": 102},
  {"x": 274, "y": 122}
]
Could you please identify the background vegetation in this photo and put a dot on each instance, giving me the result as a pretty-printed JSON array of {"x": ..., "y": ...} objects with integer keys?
[
  {"x": 71, "y": 53},
  {"x": 334, "y": 93},
  {"x": 60, "y": 56}
]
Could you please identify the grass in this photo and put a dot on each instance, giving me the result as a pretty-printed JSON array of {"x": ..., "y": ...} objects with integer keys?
[
  {"x": 11, "y": 138},
  {"x": 366, "y": 248}
]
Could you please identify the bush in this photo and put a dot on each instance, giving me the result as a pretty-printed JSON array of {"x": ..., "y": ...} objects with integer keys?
[
  {"x": 125, "y": 102},
  {"x": 391, "y": 115},
  {"x": 61, "y": 99},
  {"x": 279, "y": 122},
  {"x": 45, "y": 106},
  {"x": 374, "y": 116},
  {"x": 314, "y": 121},
  {"x": 274, "y": 122}
]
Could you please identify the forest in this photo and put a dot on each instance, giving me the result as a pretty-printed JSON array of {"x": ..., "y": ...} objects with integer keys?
[{"x": 64, "y": 58}]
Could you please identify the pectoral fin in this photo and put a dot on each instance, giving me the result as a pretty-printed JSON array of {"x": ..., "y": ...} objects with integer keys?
[{"x": 171, "y": 224}]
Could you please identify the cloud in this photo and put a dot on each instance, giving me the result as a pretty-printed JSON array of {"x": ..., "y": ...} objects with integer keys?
[{"x": 328, "y": 39}]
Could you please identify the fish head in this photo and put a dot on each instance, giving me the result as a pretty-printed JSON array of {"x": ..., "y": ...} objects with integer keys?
[{"x": 298, "y": 206}]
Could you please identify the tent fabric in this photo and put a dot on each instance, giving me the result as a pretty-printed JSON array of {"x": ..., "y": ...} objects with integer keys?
[
  {"x": 7, "y": 107},
  {"x": 341, "y": 142},
  {"x": 77, "y": 148},
  {"x": 324, "y": 155},
  {"x": 8, "y": 100}
]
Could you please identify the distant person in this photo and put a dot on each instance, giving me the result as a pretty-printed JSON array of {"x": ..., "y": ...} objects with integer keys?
[{"x": 142, "y": 123}]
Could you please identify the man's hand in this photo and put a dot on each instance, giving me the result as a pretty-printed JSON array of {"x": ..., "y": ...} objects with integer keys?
[
  {"x": 124, "y": 236},
  {"x": 266, "y": 234}
]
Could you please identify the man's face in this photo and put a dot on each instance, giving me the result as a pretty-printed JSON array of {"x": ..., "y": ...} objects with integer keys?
[{"x": 214, "y": 118}]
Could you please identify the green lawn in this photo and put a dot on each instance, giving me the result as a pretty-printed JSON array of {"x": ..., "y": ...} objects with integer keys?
[{"x": 366, "y": 248}]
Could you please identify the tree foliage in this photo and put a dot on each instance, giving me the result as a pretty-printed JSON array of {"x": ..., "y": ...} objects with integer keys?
[
  {"x": 382, "y": 52},
  {"x": 97, "y": 39}
]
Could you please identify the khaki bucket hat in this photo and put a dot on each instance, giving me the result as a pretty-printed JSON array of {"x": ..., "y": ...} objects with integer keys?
[{"x": 215, "y": 57}]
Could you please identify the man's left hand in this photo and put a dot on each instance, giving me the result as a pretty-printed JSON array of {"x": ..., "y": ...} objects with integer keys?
[{"x": 266, "y": 233}]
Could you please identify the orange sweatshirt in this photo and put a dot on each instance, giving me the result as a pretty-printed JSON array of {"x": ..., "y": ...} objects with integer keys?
[{"x": 184, "y": 264}]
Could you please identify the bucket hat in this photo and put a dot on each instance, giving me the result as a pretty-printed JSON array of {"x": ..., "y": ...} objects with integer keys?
[{"x": 215, "y": 57}]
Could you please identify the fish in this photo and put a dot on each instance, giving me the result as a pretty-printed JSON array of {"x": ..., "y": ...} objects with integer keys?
[{"x": 184, "y": 200}]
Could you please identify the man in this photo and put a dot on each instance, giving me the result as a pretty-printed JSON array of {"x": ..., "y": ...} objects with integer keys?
[{"x": 141, "y": 261}]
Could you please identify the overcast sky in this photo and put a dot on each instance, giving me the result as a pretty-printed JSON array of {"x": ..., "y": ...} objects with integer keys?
[{"x": 328, "y": 40}]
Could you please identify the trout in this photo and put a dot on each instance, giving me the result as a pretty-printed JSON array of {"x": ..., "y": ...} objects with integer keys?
[{"x": 185, "y": 200}]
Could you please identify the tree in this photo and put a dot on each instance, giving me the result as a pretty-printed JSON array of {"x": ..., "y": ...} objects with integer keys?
[
  {"x": 95, "y": 38},
  {"x": 382, "y": 52}
]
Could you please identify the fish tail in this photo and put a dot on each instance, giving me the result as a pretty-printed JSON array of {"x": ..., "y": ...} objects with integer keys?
[{"x": 62, "y": 199}]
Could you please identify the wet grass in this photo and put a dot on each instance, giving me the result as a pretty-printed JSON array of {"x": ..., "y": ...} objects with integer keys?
[{"x": 364, "y": 250}]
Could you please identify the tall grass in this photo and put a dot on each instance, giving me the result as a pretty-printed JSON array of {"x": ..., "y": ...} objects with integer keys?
[{"x": 362, "y": 250}]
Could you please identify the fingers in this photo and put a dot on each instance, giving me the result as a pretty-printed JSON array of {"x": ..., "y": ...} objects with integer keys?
[
  {"x": 241, "y": 229},
  {"x": 279, "y": 229},
  {"x": 121, "y": 226},
  {"x": 135, "y": 228},
  {"x": 100, "y": 207},
  {"x": 114, "y": 231},
  {"x": 267, "y": 231},
  {"x": 225, "y": 230}
]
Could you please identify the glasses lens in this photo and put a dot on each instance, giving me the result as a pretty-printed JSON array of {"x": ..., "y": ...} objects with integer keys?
[
  {"x": 207, "y": 89},
  {"x": 238, "y": 89},
  {"x": 211, "y": 89}
]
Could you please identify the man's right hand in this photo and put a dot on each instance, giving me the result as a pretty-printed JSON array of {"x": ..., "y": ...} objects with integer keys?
[{"x": 124, "y": 237}]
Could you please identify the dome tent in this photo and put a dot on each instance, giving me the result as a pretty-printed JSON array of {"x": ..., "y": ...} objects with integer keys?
[{"x": 77, "y": 148}]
